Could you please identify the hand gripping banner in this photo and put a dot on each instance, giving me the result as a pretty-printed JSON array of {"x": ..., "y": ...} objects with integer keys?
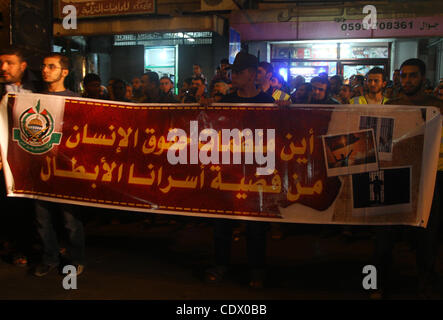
[{"x": 348, "y": 164}]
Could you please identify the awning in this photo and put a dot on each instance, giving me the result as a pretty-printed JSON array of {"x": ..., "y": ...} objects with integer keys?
[{"x": 112, "y": 26}]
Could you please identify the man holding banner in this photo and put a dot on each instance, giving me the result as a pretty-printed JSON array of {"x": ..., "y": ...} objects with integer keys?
[
  {"x": 244, "y": 71},
  {"x": 16, "y": 77},
  {"x": 412, "y": 78},
  {"x": 55, "y": 69}
]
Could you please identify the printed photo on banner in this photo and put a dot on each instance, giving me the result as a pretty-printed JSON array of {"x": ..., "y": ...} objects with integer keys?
[
  {"x": 383, "y": 132},
  {"x": 385, "y": 191},
  {"x": 348, "y": 153}
]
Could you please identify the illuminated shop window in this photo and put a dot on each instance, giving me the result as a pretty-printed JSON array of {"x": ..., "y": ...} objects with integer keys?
[{"x": 363, "y": 51}]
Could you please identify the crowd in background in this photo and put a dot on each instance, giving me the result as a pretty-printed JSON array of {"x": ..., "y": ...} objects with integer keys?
[{"x": 152, "y": 88}]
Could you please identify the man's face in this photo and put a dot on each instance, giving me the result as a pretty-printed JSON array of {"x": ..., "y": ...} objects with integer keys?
[
  {"x": 145, "y": 83},
  {"x": 319, "y": 91},
  {"x": 198, "y": 86},
  {"x": 334, "y": 85},
  {"x": 136, "y": 83},
  {"x": 301, "y": 92},
  {"x": 241, "y": 79},
  {"x": 165, "y": 85},
  {"x": 119, "y": 90},
  {"x": 196, "y": 69},
  {"x": 345, "y": 92},
  {"x": 375, "y": 83},
  {"x": 52, "y": 70},
  {"x": 261, "y": 75},
  {"x": 93, "y": 89},
  {"x": 11, "y": 68},
  {"x": 275, "y": 83},
  {"x": 411, "y": 80}
]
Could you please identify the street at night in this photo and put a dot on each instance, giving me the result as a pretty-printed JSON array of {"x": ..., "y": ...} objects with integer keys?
[{"x": 165, "y": 260}]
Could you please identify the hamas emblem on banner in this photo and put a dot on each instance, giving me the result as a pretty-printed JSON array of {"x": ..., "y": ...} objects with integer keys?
[{"x": 35, "y": 134}]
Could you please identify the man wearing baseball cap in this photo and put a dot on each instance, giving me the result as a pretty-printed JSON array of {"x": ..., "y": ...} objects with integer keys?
[{"x": 244, "y": 71}]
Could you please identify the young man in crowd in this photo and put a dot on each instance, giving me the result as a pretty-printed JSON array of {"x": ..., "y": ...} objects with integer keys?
[
  {"x": 264, "y": 74},
  {"x": 120, "y": 91},
  {"x": 335, "y": 84},
  {"x": 197, "y": 73},
  {"x": 345, "y": 94},
  {"x": 302, "y": 94},
  {"x": 92, "y": 86},
  {"x": 166, "y": 91},
  {"x": 320, "y": 91},
  {"x": 151, "y": 87},
  {"x": 375, "y": 82},
  {"x": 222, "y": 74},
  {"x": 412, "y": 78},
  {"x": 55, "y": 69},
  {"x": 198, "y": 89},
  {"x": 16, "y": 226},
  {"x": 244, "y": 71},
  {"x": 137, "y": 90}
]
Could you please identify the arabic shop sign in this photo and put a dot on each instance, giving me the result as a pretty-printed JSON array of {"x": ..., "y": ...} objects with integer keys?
[
  {"x": 101, "y": 8},
  {"x": 311, "y": 164}
]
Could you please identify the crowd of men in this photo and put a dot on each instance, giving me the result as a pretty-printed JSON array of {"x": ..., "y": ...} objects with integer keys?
[{"x": 245, "y": 81}]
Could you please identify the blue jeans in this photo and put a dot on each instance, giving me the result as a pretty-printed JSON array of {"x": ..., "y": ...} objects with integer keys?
[{"x": 44, "y": 212}]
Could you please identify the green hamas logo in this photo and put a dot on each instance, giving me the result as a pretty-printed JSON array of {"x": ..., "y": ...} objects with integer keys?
[{"x": 36, "y": 131}]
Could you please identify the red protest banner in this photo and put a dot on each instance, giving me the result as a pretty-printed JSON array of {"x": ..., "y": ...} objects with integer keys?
[{"x": 303, "y": 164}]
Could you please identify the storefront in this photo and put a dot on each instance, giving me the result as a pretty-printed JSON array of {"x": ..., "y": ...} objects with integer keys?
[
  {"x": 128, "y": 43},
  {"x": 345, "y": 57},
  {"x": 310, "y": 40}
]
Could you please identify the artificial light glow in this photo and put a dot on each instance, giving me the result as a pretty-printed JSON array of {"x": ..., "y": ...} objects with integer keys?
[
  {"x": 284, "y": 73},
  {"x": 302, "y": 70},
  {"x": 163, "y": 54}
]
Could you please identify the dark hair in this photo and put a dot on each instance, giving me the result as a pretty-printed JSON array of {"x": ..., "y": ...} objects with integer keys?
[
  {"x": 321, "y": 80},
  {"x": 279, "y": 77},
  {"x": 117, "y": 81},
  {"x": 307, "y": 84},
  {"x": 196, "y": 64},
  {"x": 64, "y": 60},
  {"x": 377, "y": 70},
  {"x": 337, "y": 77},
  {"x": 224, "y": 61},
  {"x": 360, "y": 79},
  {"x": 166, "y": 77},
  {"x": 267, "y": 66},
  {"x": 90, "y": 77},
  {"x": 153, "y": 77},
  {"x": 12, "y": 50},
  {"x": 415, "y": 62}
]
